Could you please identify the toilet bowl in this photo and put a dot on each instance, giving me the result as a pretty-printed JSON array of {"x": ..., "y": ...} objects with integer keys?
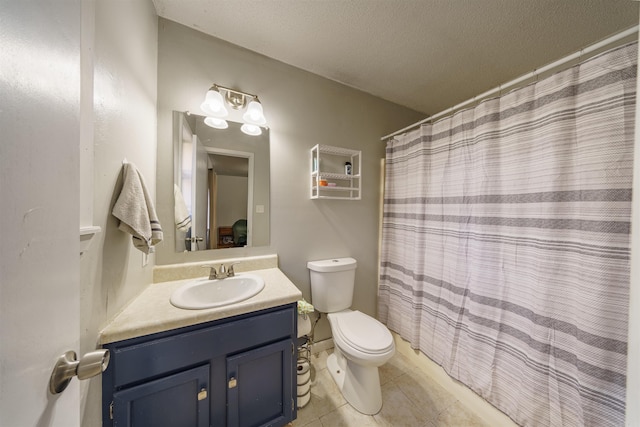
[
  {"x": 361, "y": 343},
  {"x": 361, "y": 338}
]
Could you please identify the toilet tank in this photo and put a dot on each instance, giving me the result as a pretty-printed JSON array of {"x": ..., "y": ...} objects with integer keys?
[{"x": 332, "y": 282}]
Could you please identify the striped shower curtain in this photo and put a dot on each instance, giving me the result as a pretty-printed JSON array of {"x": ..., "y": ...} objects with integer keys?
[{"x": 506, "y": 243}]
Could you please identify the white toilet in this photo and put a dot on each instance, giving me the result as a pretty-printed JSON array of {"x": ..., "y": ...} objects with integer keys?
[{"x": 361, "y": 343}]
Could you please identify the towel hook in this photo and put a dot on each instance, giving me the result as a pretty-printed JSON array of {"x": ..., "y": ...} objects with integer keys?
[{"x": 125, "y": 161}]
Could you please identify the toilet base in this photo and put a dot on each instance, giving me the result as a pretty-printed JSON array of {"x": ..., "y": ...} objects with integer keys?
[{"x": 360, "y": 385}]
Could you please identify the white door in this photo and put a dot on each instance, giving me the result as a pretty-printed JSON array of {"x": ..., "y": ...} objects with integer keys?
[{"x": 39, "y": 208}]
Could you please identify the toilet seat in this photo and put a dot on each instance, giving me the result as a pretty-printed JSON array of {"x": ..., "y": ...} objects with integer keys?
[{"x": 362, "y": 332}]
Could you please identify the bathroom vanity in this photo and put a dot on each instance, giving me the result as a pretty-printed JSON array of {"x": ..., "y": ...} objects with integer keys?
[{"x": 227, "y": 366}]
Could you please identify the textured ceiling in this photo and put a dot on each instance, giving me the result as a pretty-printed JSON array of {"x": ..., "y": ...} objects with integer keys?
[{"x": 424, "y": 54}]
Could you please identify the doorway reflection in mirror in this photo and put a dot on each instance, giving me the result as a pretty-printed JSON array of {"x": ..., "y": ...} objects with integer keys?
[{"x": 222, "y": 177}]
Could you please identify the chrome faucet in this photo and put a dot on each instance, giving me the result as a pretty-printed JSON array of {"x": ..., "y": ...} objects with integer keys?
[
  {"x": 222, "y": 273},
  {"x": 226, "y": 271}
]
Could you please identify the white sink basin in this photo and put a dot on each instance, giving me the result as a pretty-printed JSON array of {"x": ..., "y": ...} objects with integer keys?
[{"x": 206, "y": 293}]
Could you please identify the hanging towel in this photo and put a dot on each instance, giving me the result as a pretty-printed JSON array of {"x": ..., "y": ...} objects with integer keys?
[
  {"x": 136, "y": 212},
  {"x": 183, "y": 219}
]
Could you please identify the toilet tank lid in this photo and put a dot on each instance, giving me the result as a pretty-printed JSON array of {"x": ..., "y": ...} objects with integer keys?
[{"x": 334, "y": 264}]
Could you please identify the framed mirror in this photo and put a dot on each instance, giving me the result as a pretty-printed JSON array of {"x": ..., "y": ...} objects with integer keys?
[{"x": 221, "y": 185}]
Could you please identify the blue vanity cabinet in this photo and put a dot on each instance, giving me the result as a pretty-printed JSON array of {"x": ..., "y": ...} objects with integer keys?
[
  {"x": 257, "y": 389},
  {"x": 238, "y": 371},
  {"x": 168, "y": 401}
]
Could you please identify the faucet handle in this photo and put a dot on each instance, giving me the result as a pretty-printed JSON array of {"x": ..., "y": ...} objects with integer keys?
[
  {"x": 212, "y": 272},
  {"x": 230, "y": 271}
]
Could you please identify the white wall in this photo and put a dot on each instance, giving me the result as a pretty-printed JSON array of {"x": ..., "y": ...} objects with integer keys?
[
  {"x": 303, "y": 110},
  {"x": 124, "y": 59}
]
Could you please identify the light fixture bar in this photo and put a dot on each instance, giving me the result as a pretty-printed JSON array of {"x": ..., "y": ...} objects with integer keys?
[
  {"x": 214, "y": 107},
  {"x": 239, "y": 92}
]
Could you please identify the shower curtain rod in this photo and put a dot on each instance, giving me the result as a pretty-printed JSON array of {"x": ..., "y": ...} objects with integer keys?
[{"x": 512, "y": 83}]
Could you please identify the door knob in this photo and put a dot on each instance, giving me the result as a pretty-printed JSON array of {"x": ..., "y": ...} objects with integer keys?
[{"x": 67, "y": 366}]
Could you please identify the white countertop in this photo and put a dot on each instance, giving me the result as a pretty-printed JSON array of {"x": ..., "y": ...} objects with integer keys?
[{"x": 152, "y": 312}]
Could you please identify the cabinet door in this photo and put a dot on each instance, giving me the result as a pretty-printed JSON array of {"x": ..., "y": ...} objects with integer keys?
[
  {"x": 260, "y": 386},
  {"x": 176, "y": 400}
]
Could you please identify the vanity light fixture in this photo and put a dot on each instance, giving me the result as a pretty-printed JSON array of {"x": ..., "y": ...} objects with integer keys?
[
  {"x": 214, "y": 106},
  {"x": 254, "y": 114},
  {"x": 215, "y": 122},
  {"x": 250, "y": 129}
]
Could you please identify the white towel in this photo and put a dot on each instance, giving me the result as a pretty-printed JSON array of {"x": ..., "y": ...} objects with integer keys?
[
  {"x": 134, "y": 208},
  {"x": 183, "y": 219}
]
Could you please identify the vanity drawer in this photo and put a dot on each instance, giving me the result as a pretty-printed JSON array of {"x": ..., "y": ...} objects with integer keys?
[{"x": 159, "y": 354}]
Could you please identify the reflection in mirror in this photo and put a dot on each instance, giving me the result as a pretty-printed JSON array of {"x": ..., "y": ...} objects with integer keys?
[{"x": 221, "y": 185}]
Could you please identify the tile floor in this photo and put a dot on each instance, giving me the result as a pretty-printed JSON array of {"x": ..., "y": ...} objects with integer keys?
[{"x": 410, "y": 398}]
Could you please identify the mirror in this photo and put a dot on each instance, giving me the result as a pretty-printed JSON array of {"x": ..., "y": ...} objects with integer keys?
[{"x": 221, "y": 185}]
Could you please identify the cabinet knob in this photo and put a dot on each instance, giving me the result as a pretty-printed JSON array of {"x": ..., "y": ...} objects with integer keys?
[
  {"x": 233, "y": 382},
  {"x": 202, "y": 395}
]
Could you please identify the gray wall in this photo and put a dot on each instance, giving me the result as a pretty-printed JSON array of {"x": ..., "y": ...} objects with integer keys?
[
  {"x": 232, "y": 195},
  {"x": 302, "y": 110},
  {"x": 122, "y": 61}
]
